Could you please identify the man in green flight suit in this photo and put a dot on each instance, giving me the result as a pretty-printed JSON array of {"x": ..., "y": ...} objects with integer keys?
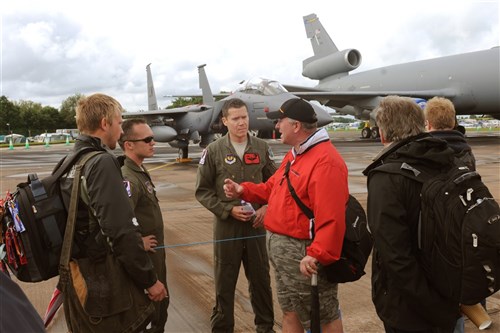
[
  {"x": 241, "y": 157},
  {"x": 138, "y": 143}
]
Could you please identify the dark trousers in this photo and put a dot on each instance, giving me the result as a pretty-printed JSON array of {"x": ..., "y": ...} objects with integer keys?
[
  {"x": 160, "y": 316},
  {"x": 228, "y": 257}
]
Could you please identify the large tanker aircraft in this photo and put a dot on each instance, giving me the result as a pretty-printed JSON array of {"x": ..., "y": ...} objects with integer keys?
[{"x": 469, "y": 80}]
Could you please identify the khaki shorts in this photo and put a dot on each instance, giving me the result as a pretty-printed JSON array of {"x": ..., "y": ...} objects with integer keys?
[{"x": 294, "y": 288}]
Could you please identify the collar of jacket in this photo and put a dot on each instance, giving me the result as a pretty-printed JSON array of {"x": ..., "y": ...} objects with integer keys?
[
  {"x": 84, "y": 140},
  {"x": 129, "y": 163},
  {"x": 405, "y": 149},
  {"x": 317, "y": 137},
  {"x": 227, "y": 141}
]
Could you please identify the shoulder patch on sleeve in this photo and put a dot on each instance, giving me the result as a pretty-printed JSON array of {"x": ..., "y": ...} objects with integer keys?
[
  {"x": 270, "y": 152},
  {"x": 203, "y": 156},
  {"x": 126, "y": 183}
]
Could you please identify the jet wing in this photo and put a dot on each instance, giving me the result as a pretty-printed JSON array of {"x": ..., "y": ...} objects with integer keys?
[
  {"x": 166, "y": 112},
  {"x": 342, "y": 98},
  {"x": 221, "y": 95}
]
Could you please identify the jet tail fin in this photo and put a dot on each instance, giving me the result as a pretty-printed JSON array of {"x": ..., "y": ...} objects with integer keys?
[
  {"x": 208, "y": 97},
  {"x": 321, "y": 42},
  {"x": 327, "y": 61},
  {"x": 152, "y": 102}
]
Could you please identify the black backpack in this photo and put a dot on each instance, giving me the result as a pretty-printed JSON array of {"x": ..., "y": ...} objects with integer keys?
[
  {"x": 32, "y": 226},
  {"x": 459, "y": 231},
  {"x": 356, "y": 246}
]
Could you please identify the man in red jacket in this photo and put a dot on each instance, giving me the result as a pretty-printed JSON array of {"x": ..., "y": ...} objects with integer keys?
[{"x": 297, "y": 247}]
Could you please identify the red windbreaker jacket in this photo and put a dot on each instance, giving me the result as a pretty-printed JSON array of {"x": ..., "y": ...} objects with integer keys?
[{"x": 319, "y": 176}]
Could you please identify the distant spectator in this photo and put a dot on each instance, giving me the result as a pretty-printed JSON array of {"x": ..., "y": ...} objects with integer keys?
[{"x": 440, "y": 121}]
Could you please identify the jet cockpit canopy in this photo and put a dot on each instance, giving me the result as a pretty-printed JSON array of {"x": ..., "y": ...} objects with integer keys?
[{"x": 260, "y": 86}]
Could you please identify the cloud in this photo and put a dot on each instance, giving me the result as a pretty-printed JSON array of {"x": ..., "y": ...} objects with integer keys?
[{"x": 51, "y": 50}]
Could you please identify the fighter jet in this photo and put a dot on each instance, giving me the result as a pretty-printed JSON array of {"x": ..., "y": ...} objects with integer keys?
[
  {"x": 469, "y": 80},
  {"x": 200, "y": 123}
]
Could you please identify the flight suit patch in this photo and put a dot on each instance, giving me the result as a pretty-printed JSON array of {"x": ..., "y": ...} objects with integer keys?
[
  {"x": 203, "y": 156},
  {"x": 230, "y": 159},
  {"x": 126, "y": 183},
  {"x": 251, "y": 158},
  {"x": 149, "y": 187},
  {"x": 270, "y": 152}
]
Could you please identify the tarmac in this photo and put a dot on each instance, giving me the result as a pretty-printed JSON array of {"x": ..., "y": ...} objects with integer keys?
[{"x": 188, "y": 235}]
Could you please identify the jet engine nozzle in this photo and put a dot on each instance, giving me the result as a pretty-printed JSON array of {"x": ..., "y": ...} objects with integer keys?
[{"x": 336, "y": 63}]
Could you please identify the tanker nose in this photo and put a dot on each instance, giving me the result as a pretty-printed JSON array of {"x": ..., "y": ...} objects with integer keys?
[{"x": 323, "y": 117}]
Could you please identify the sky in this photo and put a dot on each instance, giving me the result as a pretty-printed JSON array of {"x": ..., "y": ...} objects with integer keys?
[{"x": 52, "y": 49}]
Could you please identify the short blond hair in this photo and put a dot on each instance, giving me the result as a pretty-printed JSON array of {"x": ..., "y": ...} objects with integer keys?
[
  {"x": 440, "y": 113},
  {"x": 399, "y": 118},
  {"x": 92, "y": 109}
]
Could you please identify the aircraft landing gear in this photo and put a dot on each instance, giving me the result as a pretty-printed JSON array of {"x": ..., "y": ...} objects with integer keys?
[
  {"x": 365, "y": 133},
  {"x": 183, "y": 155}
]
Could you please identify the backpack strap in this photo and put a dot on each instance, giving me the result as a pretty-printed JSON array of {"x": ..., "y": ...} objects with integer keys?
[
  {"x": 306, "y": 210},
  {"x": 66, "y": 164},
  {"x": 73, "y": 207},
  {"x": 404, "y": 169},
  {"x": 61, "y": 168}
]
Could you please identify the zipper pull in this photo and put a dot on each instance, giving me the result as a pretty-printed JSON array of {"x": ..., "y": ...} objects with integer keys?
[
  {"x": 469, "y": 192},
  {"x": 474, "y": 240},
  {"x": 462, "y": 199}
]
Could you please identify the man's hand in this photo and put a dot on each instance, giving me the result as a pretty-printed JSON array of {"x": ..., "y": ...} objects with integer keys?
[
  {"x": 259, "y": 217},
  {"x": 308, "y": 266},
  {"x": 232, "y": 189},
  {"x": 150, "y": 243},
  {"x": 241, "y": 214},
  {"x": 157, "y": 292}
]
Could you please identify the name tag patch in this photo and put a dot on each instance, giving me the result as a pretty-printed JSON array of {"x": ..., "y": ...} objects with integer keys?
[{"x": 251, "y": 158}]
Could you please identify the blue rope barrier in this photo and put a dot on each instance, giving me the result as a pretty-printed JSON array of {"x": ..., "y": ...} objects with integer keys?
[{"x": 207, "y": 242}]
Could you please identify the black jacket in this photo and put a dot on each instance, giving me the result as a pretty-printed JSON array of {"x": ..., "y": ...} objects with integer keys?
[
  {"x": 403, "y": 296},
  {"x": 105, "y": 219}
]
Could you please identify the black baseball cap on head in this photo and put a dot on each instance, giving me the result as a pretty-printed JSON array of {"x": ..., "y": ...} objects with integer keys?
[{"x": 296, "y": 109}]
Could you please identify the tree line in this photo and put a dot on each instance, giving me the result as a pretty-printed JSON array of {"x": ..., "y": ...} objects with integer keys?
[{"x": 29, "y": 118}]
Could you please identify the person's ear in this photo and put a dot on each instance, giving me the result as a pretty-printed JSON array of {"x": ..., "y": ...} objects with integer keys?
[
  {"x": 104, "y": 124},
  {"x": 382, "y": 136},
  {"x": 298, "y": 126}
]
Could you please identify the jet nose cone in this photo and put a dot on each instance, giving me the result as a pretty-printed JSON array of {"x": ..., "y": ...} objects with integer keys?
[{"x": 323, "y": 117}]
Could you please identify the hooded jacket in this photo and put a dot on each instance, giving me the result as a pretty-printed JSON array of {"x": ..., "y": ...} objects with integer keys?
[
  {"x": 403, "y": 296},
  {"x": 457, "y": 142}
]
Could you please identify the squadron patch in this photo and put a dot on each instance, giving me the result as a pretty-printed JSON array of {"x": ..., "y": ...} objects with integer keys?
[
  {"x": 126, "y": 183},
  {"x": 203, "y": 156},
  {"x": 230, "y": 159},
  {"x": 251, "y": 158},
  {"x": 270, "y": 152},
  {"x": 149, "y": 187}
]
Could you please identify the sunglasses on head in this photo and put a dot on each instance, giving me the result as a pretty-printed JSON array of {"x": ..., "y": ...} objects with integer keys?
[{"x": 147, "y": 139}]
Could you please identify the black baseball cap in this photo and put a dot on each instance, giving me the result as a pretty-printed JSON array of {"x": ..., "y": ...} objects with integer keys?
[{"x": 296, "y": 109}]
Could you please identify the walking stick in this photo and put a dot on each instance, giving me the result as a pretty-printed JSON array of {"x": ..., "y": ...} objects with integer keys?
[{"x": 315, "y": 317}]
